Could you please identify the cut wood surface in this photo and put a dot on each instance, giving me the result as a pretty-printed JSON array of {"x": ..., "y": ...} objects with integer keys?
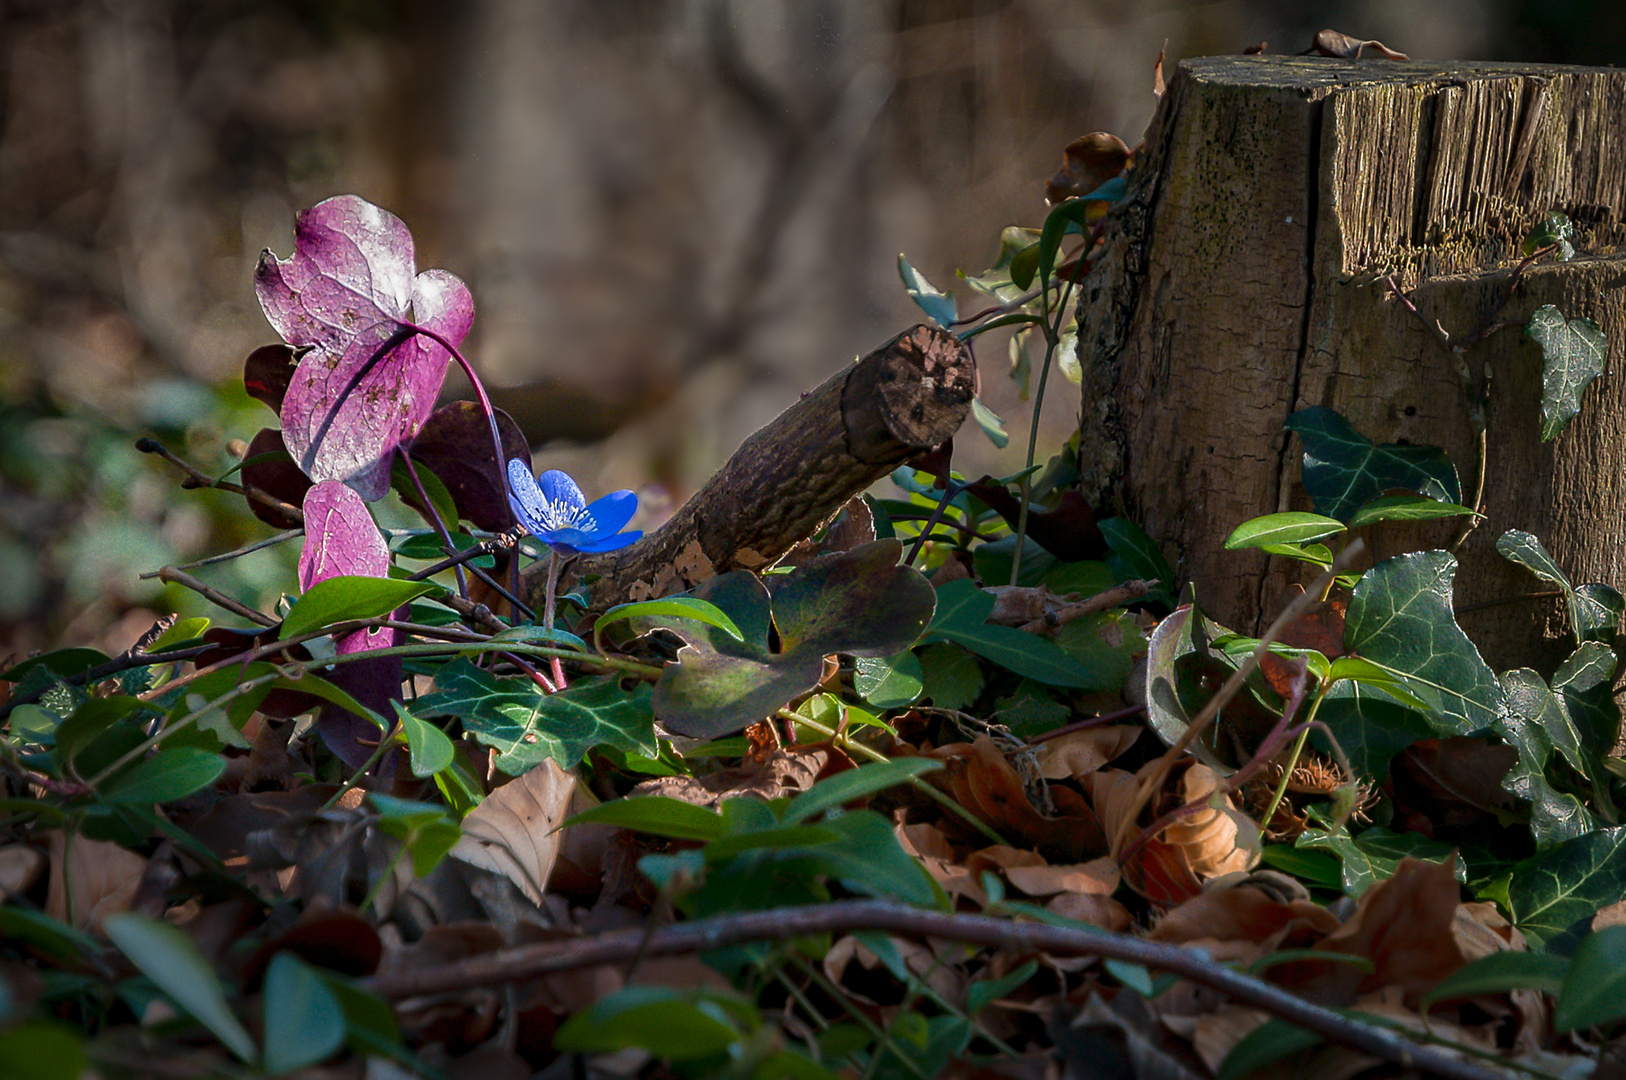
[
  {"x": 793, "y": 475},
  {"x": 1245, "y": 279}
]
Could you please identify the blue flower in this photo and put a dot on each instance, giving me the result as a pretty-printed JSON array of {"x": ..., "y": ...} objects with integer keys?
[{"x": 552, "y": 509}]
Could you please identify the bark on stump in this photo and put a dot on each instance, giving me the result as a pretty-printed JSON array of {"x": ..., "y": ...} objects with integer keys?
[
  {"x": 1244, "y": 280},
  {"x": 793, "y": 475}
]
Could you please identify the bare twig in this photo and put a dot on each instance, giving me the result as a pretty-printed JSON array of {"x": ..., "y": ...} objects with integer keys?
[
  {"x": 171, "y": 576},
  {"x": 1101, "y": 601},
  {"x": 782, "y": 924},
  {"x": 195, "y": 478}
]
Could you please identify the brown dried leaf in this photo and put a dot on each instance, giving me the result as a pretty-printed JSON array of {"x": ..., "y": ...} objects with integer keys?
[
  {"x": 983, "y": 781},
  {"x": 1080, "y": 753},
  {"x": 1086, "y": 164},
  {"x": 102, "y": 877},
  {"x": 1170, "y": 868},
  {"x": 1343, "y": 47},
  {"x": 1157, "y": 70},
  {"x": 20, "y": 867},
  {"x": 512, "y": 832},
  {"x": 781, "y": 773},
  {"x": 1404, "y": 927},
  {"x": 1248, "y": 914}
]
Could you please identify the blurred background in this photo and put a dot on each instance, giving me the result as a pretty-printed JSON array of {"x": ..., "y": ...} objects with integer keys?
[{"x": 674, "y": 215}]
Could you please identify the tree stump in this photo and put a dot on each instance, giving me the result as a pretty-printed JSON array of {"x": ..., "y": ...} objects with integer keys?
[{"x": 1246, "y": 277}]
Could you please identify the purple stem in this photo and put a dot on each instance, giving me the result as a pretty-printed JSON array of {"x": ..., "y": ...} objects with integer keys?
[{"x": 479, "y": 391}]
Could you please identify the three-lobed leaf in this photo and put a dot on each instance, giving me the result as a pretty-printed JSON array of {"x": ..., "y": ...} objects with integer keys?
[
  {"x": 1344, "y": 470},
  {"x": 1574, "y": 351}
]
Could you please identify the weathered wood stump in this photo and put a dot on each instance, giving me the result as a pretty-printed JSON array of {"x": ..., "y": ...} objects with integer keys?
[
  {"x": 1246, "y": 279},
  {"x": 793, "y": 475}
]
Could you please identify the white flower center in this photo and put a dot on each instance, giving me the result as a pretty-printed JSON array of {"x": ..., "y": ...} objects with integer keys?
[{"x": 561, "y": 515}]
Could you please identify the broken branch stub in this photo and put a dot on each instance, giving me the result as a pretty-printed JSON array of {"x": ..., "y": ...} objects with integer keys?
[{"x": 791, "y": 477}]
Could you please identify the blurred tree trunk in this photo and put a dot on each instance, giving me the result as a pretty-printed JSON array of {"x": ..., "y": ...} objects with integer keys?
[{"x": 1246, "y": 279}]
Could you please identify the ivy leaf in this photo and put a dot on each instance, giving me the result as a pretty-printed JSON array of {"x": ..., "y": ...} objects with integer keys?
[
  {"x": 365, "y": 385},
  {"x": 1574, "y": 350},
  {"x": 939, "y": 306},
  {"x": 861, "y": 602},
  {"x": 1343, "y": 469},
  {"x": 1371, "y": 727},
  {"x": 1535, "y": 722},
  {"x": 1595, "y": 609},
  {"x": 1554, "y": 895},
  {"x": 528, "y": 726},
  {"x": 1400, "y": 618},
  {"x": 1555, "y": 228},
  {"x": 1374, "y": 855}
]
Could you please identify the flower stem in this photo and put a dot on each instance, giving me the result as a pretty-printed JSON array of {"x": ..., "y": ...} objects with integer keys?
[{"x": 548, "y": 609}]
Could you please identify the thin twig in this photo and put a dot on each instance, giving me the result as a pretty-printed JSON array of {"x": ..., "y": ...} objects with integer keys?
[
  {"x": 173, "y": 576},
  {"x": 1101, "y": 601},
  {"x": 247, "y": 549},
  {"x": 1005, "y": 935},
  {"x": 198, "y": 479},
  {"x": 1153, "y": 781}
]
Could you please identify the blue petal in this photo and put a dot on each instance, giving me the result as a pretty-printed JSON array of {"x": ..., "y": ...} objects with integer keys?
[
  {"x": 525, "y": 497},
  {"x": 612, "y": 512},
  {"x": 558, "y": 487},
  {"x": 609, "y": 543}
]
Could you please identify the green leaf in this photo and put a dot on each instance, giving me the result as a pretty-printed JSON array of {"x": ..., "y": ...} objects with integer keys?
[
  {"x": 65, "y": 663},
  {"x": 990, "y": 423},
  {"x": 1316, "y": 867},
  {"x": 429, "y": 749},
  {"x": 1343, "y": 469},
  {"x": 50, "y": 936},
  {"x": 1265, "y": 1044},
  {"x": 672, "y": 1024},
  {"x": 657, "y": 815},
  {"x": 1594, "y": 991},
  {"x": 1293, "y": 527},
  {"x": 951, "y": 676},
  {"x": 1405, "y": 508},
  {"x": 528, "y": 726},
  {"x": 1553, "y": 895},
  {"x": 303, "y": 1021},
  {"x": 982, "y": 992},
  {"x": 1374, "y": 855},
  {"x": 168, "y": 957},
  {"x": 369, "y": 1021},
  {"x": 861, "y": 602},
  {"x": 1064, "y": 218},
  {"x": 962, "y": 614},
  {"x": 652, "y": 614},
  {"x": 854, "y": 784},
  {"x": 90, "y": 720},
  {"x": 428, "y": 832},
  {"x": 41, "y": 1050},
  {"x": 1136, "y": 555},
  {"x": 184, "y": 630},
  {"x": 868, "y": 859},
  {"x": 439, "y": 498},
  {"x": 349, "y": 597},
  {"x": 534, "y": 635},
  {"x": 1574, "y": 350},
  {"x": 1594, "y": 610},
  {"x": 889, "y": 682},
  {"x": 166, "y": 776},
  {"x": 1500, "y": 972},
  {"x": 1025, "y": 266},
  {"x": 1363, "y": 671},
  {"x": 1552, "y": 229},
  {"x": 1400, "y": 618},
  {"x": 1172, "y": 699},
  {"x": 1370, "y": 726},
  {"x": 938, "y": 306}
]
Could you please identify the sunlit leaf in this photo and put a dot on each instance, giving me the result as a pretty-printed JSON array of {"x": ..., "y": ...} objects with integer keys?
[
  {"x": 657, "y": 815},
  {"x": 1574, "y": 349},
  {"x": 1554, "y": 895},
  {"x": 1294, "y": 527},
  {"x": 889, "y": 682},
  {"x": 427, "y": 746},
  {"x": 1405, "y": 508},
  {"x": 938, "y": 306},
  {"x": 854, "y": 784}
]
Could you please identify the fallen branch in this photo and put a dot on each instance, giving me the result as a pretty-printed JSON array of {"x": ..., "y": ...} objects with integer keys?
[
  {"x": 782, "y": 924},
  {"x": 790, "y": 477}
]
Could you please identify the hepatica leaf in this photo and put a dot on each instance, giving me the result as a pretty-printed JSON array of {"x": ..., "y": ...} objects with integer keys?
[
  {"x": 860, "y": 602},
  {"x": 341, "y": 540},
  {"x": 1574, "y": 351},
  {"x": 366, "y": 384},
  {"x": 1343, "y": 469}
]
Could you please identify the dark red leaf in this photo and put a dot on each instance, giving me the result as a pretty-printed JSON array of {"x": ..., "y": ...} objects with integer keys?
[{"x": 277, "y": 476}]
